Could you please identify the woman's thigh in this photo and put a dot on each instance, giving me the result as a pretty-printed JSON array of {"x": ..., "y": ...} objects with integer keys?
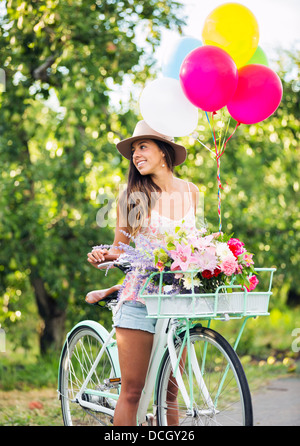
[{"x": 134, "y": 348}]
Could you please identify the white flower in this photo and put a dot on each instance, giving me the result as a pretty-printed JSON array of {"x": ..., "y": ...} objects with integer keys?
[
  {"x": 188, "y": 282},
  {"x": 223, "y": 251}
]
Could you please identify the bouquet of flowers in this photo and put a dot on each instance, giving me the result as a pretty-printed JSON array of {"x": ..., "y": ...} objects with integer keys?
[{"x": 214, "y": 259}]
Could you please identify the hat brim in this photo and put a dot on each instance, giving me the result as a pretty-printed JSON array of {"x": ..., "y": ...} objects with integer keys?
[{"x": 125, "y": 147}]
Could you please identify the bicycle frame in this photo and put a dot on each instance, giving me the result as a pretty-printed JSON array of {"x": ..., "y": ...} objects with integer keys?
[
  {"x": 165, "y": 339},
  {"x": 166, "y": 333}
]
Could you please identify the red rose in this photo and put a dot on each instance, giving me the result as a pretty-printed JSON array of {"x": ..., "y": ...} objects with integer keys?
[
  {"x": 217, "y": 271},
  {"x": 207, "y": 274}
]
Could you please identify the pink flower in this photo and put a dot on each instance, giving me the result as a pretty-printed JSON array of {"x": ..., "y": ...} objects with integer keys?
[
  {"x": 205, "y": 260},
  {"x": 248, "y": 259},
  {"x": 253, "y": 283},
  {"x": 182, "y": 257},
  {"x": 229, "y": 265},
  {"x": 201, "y": 242},
  {"x": 160, "y": 266},
  {"x": 236, "y": 246}
]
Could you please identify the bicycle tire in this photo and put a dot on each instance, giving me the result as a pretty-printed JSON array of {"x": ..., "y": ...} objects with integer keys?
[
  {"x": 79, "y": 352},
  {"x": 231, "y": 401}
]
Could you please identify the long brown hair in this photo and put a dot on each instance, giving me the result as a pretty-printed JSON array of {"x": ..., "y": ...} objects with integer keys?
[{"x": 138, "y": 199}]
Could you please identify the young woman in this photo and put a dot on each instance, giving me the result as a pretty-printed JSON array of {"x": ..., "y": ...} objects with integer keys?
[{"x": 154, "y": 203}]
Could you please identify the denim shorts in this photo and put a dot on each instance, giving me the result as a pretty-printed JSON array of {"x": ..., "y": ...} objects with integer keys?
[{"x": 133, "y": 315}]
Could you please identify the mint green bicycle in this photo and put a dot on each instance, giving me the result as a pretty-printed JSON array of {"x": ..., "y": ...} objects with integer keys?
[{"x": 212, "y": 388}]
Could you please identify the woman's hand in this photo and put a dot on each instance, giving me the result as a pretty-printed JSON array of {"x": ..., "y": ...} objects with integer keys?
[{"x": 97, "y": 255}]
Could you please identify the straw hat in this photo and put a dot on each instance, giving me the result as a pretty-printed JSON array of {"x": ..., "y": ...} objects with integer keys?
[{"x": 142, "y": 130}]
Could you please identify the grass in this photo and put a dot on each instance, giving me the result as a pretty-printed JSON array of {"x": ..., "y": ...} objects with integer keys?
[
  {"x": 25, "y": 373},
  {"x": 36, "y": 407},
  {"x": 28, "y": 395}
]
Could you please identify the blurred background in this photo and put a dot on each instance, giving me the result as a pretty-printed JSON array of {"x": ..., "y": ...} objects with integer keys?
[{"x": 71, "y": 76}]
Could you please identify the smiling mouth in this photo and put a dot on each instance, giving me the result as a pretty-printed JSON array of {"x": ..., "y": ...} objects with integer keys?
[{"x": 140, "y": 163}]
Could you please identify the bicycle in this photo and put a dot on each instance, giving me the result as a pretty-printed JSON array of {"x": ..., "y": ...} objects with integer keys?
[{"x": 211, "y": 383}]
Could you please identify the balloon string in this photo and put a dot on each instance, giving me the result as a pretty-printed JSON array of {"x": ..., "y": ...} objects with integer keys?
[
  {"x": 224, "y": 147},
  {"x": 209, "y": 125},
  {"x": 204, "y": 145},
  {"x": 218, "y": 173},
  {"x": 219, "y": 153}
]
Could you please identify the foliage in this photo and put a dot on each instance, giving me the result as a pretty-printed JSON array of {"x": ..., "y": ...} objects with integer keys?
[
  {"x": 59, "y": 166},
  {"x": 57, "y": 143}
]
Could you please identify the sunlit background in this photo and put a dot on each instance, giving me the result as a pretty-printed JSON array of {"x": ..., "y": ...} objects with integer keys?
[{"x": 59, "y": 165}]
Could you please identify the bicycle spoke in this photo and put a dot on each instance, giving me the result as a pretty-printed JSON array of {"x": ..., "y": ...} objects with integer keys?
[
  {"x": 219, "y": 387},
  {"x": 79, "y": 357}
]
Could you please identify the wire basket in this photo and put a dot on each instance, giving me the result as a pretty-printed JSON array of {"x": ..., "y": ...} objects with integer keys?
[{"x": 227, "y": 301}]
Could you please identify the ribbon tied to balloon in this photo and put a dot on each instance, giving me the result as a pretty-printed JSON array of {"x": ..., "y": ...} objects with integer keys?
[{"x": 227, "y": 68}]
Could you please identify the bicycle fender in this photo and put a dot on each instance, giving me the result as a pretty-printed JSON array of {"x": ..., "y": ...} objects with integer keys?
[
  {"x": 93, "y": 324},
  {"x": 165, "y": 351}
]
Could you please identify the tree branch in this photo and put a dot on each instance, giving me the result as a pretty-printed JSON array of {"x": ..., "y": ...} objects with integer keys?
[{"x": 41, "y": 71}]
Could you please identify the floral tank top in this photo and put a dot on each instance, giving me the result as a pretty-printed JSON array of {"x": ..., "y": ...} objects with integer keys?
[{"x": 155, "y": 229}]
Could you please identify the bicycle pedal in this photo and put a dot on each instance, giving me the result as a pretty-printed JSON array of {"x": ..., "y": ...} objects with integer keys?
[{"x": 112, "y": 382}]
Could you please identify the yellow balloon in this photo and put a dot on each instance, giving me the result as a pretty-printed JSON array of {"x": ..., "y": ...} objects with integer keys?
[{"x": 234, "y": 28}]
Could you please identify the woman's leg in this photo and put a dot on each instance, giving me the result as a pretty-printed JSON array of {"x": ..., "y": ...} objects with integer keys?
[{"x": 134, "y": 347}]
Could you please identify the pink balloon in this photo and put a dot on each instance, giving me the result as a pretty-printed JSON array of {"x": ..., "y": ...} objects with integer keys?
[
  {"x": 208, "y": 77},
  {"x": 257, "y": 96}
]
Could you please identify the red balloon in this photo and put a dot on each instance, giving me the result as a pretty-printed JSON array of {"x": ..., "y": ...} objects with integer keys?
[
  {"x": 208, "y": 77},
  {"x": 257, "y": 96}
]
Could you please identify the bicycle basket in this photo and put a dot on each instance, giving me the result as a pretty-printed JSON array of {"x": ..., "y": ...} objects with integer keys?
[{"x": 227, "y": 300}]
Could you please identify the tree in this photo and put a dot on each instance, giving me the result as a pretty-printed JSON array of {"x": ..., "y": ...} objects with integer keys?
[{"x": 57, "y": 140}]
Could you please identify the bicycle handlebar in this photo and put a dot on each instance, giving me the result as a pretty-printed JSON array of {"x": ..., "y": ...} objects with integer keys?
[{"x": 112, "y": 260}]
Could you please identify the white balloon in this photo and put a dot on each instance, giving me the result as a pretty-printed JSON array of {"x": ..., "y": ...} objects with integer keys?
[{"x": 166, "y": 109}]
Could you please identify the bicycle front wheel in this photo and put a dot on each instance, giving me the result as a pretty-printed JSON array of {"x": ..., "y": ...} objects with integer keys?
[
  {"x": 78, "y": 356},
  {"x": 214, "y": 380}
]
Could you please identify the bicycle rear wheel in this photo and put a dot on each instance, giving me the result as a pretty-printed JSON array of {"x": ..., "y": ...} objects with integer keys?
[
  {"x": 77, "y": 358},
  {"x": 222, "y": 398}
]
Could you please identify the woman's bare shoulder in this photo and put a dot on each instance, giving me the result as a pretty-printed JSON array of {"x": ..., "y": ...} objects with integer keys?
[
  {"x": 193, "y": 187},
  {"x": 183, "y": 183}
]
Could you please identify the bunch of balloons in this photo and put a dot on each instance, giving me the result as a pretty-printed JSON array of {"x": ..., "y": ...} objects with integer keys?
[{"x": 227, "y": 69}]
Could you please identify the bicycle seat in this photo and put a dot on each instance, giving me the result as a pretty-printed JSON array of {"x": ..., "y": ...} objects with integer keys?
[{"x": 97, "y": 296}]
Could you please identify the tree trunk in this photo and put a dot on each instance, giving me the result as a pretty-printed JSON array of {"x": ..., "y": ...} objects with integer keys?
[
  {"x": 293, "y": 298},
  {"x": 54, "y": 318}
]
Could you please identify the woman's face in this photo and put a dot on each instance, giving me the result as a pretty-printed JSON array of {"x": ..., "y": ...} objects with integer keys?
[{"x": 147, "y": 156}]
